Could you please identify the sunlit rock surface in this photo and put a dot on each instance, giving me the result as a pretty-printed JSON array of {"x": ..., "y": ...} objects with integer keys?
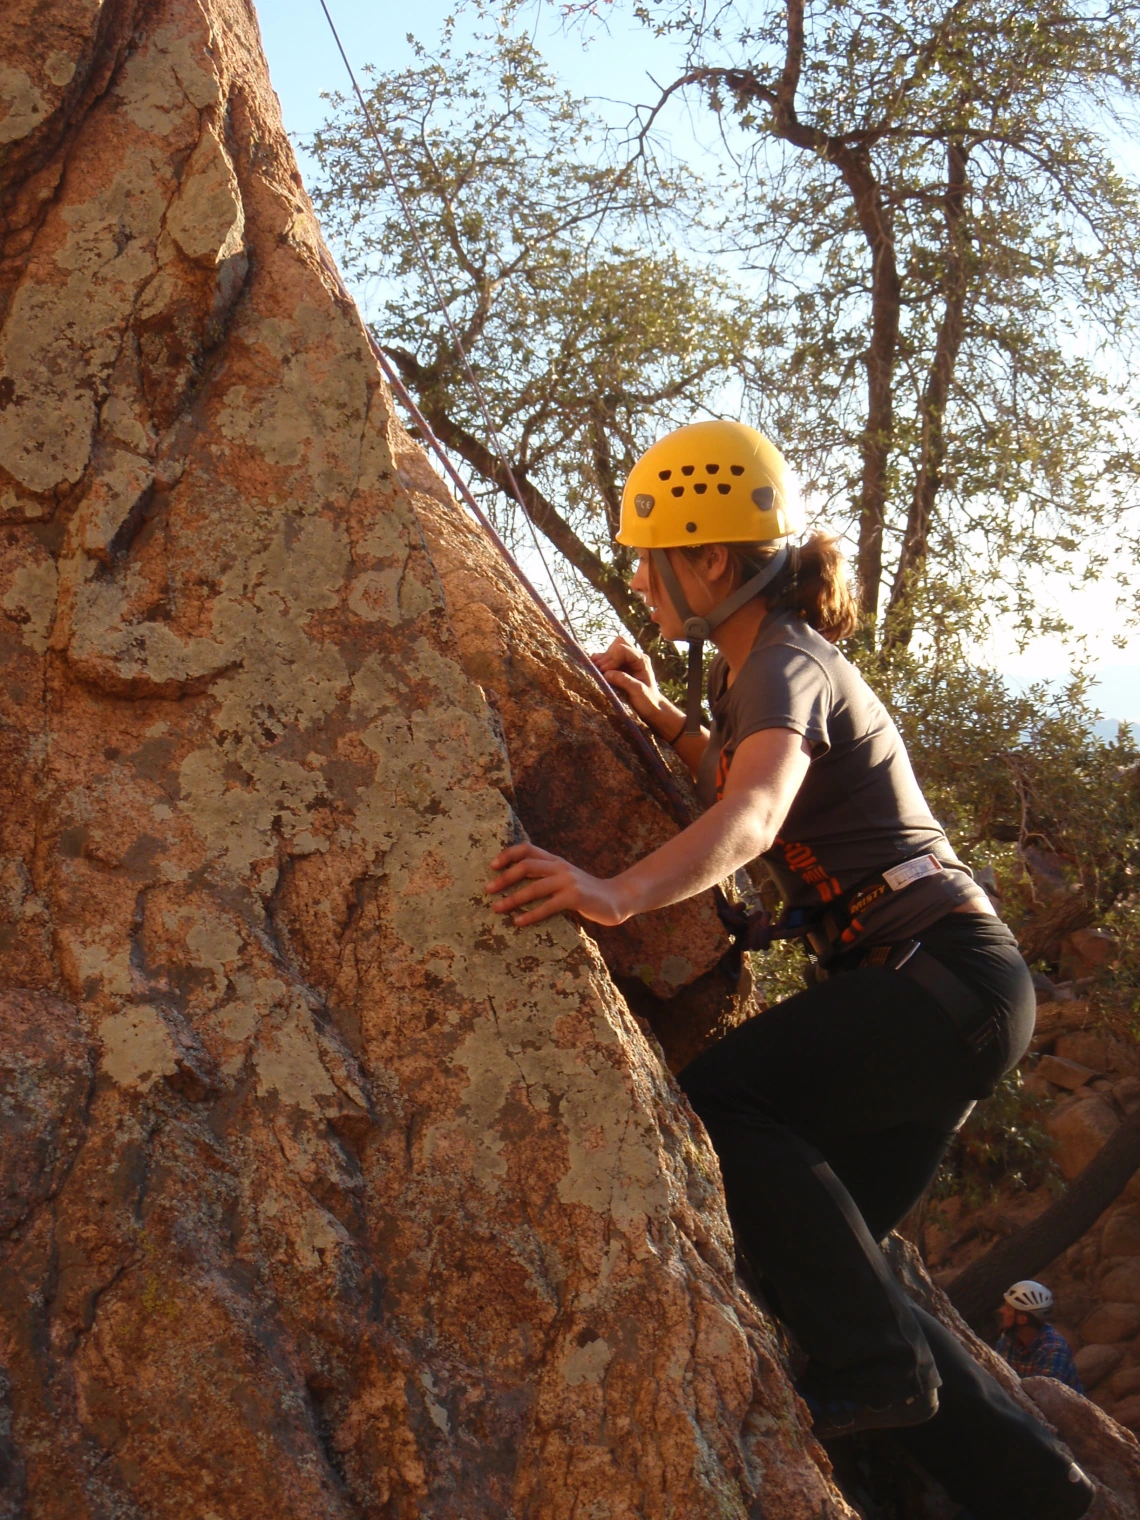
[{"x": 325, "y": 1193}]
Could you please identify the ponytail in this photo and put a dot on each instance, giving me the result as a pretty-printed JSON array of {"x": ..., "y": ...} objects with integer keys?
[{"x": 813, "y": 584}]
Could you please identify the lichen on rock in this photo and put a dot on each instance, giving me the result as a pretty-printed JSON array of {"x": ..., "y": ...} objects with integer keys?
[{"x": 338, "y": 1196}]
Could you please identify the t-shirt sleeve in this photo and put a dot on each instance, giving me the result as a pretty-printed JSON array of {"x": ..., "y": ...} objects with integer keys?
[{"x": 783, "y": 688}]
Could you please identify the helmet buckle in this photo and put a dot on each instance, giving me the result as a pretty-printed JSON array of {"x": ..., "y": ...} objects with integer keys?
[{"x": 697, "y": 628}]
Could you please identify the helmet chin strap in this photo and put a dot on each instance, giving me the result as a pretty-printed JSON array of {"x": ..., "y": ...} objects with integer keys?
[{"x": 698, "y": 629}]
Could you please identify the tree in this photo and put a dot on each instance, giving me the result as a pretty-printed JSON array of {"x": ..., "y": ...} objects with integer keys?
[
  {"x": 588, "y": 331},
  {"x": 1021, "y": 780},
  {"x": 945, "y": 244}
]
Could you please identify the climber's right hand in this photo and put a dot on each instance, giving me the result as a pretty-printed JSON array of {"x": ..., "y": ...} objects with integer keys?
[{"x": 628, "y": 670}]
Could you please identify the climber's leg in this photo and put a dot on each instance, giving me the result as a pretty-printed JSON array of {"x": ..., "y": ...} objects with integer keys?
[
  {"x": 888, "y": 1172},
  {"x": 986, "y": 1451},
  {"x": 856, "y": 1055}
]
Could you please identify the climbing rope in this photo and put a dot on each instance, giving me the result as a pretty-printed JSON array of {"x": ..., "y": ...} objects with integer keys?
[
  {"x": 564, "y": 632},
  {"x": 445, "y": 312}
]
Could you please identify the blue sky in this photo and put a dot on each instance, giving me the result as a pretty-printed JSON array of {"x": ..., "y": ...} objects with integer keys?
[{"x": 618, "y": 66}]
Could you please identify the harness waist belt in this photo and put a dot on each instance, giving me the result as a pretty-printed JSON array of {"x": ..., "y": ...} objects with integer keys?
[
  {"x": 830, "y": 931},
  {"x": 963, "y": 1008},
  {"x": 838, "y": 926}
]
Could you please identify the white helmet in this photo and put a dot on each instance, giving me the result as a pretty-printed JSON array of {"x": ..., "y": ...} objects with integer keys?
[{"x": 1029, "y": 1297}]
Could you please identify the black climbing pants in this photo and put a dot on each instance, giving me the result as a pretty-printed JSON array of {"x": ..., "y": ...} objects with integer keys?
[{"x": 829, "y": 1114}]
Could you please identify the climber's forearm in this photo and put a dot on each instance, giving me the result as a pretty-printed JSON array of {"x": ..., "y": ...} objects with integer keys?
[
  {"x": 729, "y": 835},
  {"x": 766, "y": 773}
]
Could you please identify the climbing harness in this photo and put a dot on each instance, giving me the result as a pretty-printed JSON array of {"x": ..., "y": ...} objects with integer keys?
[{"x": 832, "y": 930}]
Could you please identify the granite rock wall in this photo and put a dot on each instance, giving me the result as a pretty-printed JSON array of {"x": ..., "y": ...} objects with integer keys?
[{"x": 325, "y": 1192}]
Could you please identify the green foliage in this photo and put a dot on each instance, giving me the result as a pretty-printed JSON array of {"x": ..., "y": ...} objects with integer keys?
[
  {"x": 1008, "y": 771},
  {"x": 591, "y": 327},
  {"x": 1002, "y": 1147},
  {"x": 944, "y": 242},
  {"x": 1117, "y": 988}
]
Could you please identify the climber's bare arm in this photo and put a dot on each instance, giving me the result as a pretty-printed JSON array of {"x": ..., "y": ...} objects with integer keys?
[
  {"x": 767, "y": 771},
  {"x": 629, "y": 671}
]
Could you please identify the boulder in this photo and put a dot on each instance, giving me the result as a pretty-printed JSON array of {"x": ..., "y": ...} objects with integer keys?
[
  {"x": 1084, "y": 1047},
  {"x": 1086, "y": 950},
  {"x": 1073, "y": 1301},
  {"x": 1094, "y": 1363},
  {"x": 1122, "y": 1056},
  {"x": 1121, "y": 1282},
  {"x": 1111, "y": 1322},
  {"x": 1079, "y": 1131},
  {"x": 1097, "y": 1442},
  {"x": 1127, "y": 1413},
  {"x": 1121, "y": 1235},
  {"x": 1125, "y": 1383},
  {"x": 326, "y": 1192},
  {"x": 1063, "y": 1073}
]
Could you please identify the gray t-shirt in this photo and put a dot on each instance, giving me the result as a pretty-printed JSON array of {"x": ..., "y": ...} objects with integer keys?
[{"x": 859, "y": 811}]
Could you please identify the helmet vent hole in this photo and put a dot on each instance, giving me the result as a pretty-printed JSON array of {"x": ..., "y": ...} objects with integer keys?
[
  {"x": 678, "y": 490},
  {"x": 664, "y": 474},
  {"x": 690, "y": 527},
  {"x": 686, "y": 469},
  {"x": 737, "y": 469},
  {"x": 701, "y": 487},
  {"x": 712, "y": 469},
  {"x": 724, "y": 488}
]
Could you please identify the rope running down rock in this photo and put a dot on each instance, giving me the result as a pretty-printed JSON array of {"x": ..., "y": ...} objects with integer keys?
[{"x": 680, "y": 809}]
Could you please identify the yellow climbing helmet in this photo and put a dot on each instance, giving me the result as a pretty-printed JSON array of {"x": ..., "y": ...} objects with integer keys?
[{"x": 709, "y": 483}]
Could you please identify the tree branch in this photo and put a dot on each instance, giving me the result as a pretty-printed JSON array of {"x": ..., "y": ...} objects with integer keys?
[
  {"x": 606, "y": 579},
  {"x": 977, "y": 1290},
  {"x": 874, "y": 218}
]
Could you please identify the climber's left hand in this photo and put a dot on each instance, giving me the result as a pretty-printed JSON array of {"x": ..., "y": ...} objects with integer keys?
[{"x": 562, "y": 886}]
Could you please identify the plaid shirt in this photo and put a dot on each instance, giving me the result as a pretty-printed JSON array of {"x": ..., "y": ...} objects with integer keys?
[{"x": 1047, "y": 1356}]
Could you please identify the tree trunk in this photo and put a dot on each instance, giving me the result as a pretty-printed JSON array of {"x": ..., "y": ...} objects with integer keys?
[
  {"x": 977, "y": 1290},
  {"x": 856, "y": 169},
  {"x": 878, "y": 431},
  {"x": 932, "y": 409}
]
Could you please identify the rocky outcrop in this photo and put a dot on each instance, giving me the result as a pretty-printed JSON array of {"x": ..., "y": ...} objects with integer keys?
[
  {"x": 326, "y": 1193},
  {"x": 1085, "y": 1072}
]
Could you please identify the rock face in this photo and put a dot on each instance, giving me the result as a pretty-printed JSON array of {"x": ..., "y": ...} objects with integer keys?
[{"x": 325, "y": 1192}]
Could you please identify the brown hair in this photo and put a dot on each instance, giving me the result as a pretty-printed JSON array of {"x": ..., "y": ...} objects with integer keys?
[{"x": 813, "y": 584}]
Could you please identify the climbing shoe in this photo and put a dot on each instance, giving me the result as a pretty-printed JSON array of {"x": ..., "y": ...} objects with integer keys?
[
  {"x": 833, "y": 1418},
  {"x": 1075, "y": 1499}
]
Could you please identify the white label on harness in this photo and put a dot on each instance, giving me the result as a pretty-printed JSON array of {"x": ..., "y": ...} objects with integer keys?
[{"x": 899, "y": 877}]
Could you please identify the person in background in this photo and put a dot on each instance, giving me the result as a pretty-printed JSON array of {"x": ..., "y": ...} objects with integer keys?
[{"x": 1028, "y": 1342}]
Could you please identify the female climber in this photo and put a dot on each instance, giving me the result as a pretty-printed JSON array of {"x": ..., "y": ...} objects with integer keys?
[{"x": 829, "y": 1112}]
